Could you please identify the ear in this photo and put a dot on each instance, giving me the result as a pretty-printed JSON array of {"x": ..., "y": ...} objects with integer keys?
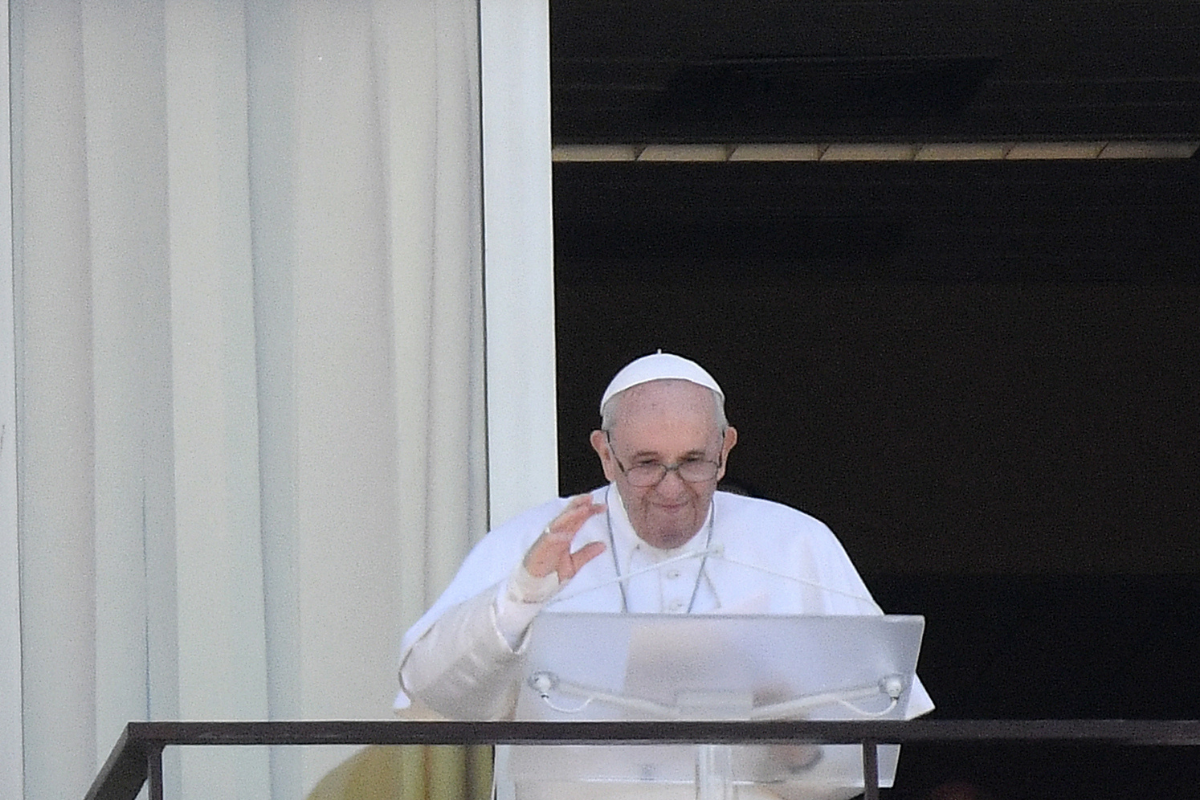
[
  {"x": 607, "y": 460},
  {"x": 726, "y": 446}
]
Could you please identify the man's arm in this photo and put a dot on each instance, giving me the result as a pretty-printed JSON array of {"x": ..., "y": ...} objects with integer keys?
[{"x": 465, "y": 665}]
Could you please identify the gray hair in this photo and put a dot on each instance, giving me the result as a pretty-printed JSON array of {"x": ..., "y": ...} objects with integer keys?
[{"x": 608, "y": 414}]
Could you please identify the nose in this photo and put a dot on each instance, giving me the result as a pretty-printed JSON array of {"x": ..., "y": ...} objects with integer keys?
[{"x": 672, "y": 484}]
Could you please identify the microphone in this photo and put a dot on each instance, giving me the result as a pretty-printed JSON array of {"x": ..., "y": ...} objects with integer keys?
[
  {"x": 718, "y": 552},
  {"x": 545, "y": 683}
]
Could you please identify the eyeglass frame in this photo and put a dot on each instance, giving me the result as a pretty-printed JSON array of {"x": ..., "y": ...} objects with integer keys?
[{"x": 664, "y": 468}]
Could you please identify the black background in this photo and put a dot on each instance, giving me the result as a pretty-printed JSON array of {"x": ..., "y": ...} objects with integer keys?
[
  {"x": 984, "y": 376},
  {"x": 1009, "y": 449}
]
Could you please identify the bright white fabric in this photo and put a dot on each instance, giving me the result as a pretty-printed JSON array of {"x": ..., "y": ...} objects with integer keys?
[
  {"x": 773, "y": 559},
  {"x": 251, "y": 371},
  {"x": 658, "y": 367}
]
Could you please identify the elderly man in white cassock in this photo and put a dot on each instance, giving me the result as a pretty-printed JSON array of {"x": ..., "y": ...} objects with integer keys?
[{"x": 664, "y": 443}]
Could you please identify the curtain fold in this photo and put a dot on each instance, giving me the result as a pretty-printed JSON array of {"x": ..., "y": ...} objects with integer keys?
[
  {"x": 250, "y": 369},
  {"x": 11, "y": 743},
  {"x": 54, "y": 406}
]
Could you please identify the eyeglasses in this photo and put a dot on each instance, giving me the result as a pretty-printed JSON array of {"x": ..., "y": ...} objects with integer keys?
[{"x": 643, "y": 476}]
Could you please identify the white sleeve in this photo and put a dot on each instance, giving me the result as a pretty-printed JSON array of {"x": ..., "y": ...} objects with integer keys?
[
  {"x": 465, "y": 665},
  {"x": 462, "y": 666},
  {"x": 521, "y": 598}
]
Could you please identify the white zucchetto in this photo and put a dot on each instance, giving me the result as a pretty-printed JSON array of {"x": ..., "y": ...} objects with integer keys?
[{"x": 658, "y": 366}]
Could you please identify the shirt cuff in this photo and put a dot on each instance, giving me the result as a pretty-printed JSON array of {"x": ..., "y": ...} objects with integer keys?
[{"x": 521, "y": 598}]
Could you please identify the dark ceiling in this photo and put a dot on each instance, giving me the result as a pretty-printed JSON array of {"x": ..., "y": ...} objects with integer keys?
[
  {"x": 727, "y": 71},
  {"x": 738, "y": 70}
]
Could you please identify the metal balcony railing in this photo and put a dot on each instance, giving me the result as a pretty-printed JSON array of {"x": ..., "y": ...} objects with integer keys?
[{"x": 137, "y": 757}]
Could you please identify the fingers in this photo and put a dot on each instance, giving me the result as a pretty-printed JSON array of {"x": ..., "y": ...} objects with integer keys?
[
  {"x": 582, "y": 556},
  {"x": 579, "y": 510},
  {"x": 552, "y": 550}
]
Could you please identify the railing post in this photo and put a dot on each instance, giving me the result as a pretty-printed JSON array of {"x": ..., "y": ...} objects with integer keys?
[
  {"x": 154, "y": 771},
  {"x": 870, "y": 769}
]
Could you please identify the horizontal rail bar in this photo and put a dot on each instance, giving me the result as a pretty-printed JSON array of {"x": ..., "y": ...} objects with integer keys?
[
  {"x": 1132, "y": 732},
  {"x": 124, "y": 772}
]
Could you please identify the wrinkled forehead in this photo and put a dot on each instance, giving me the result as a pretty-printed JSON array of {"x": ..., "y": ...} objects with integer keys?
[{"x": 665, "y": 403}]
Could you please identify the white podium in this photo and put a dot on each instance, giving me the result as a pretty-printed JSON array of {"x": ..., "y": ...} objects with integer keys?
[{"x": 592, "y": 666}]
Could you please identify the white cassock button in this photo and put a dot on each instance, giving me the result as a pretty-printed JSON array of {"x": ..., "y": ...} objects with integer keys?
[
  {"x": 675, "y": 605},
  {"x": 672, "y": 574}
]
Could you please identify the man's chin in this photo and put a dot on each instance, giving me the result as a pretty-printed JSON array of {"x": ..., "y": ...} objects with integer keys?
[
  {"x": 668, "y": 537},
  {"x": 673, "y": 542}
]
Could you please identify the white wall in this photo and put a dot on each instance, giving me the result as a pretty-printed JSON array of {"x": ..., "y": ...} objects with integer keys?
[{"x": 518, "y": 255}]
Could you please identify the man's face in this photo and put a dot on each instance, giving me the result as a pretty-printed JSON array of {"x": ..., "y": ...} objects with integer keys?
[{"x": 664, "y": 422}]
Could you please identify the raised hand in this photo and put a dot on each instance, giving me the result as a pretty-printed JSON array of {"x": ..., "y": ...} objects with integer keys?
[{"x": 552, "y": 550}]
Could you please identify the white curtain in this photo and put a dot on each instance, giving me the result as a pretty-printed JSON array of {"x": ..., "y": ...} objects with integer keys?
[
  {"x": 11, "y": 750},
  {"x": 249, "y": 360}
]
